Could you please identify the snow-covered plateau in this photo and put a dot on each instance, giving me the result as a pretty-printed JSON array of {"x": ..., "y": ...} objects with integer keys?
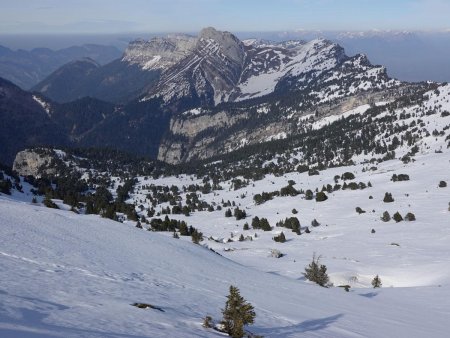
[{"x": 70, "y": 275}]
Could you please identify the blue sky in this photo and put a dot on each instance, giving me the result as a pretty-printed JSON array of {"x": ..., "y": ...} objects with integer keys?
[{"x": 116, "y": 16}]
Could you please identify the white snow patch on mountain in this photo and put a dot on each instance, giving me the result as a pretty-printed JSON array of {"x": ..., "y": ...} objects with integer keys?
[{"x": 43, "y": 104}]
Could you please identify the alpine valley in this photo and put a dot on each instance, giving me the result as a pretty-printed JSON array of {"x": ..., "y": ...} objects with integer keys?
[{"x": 270, "y": 157}]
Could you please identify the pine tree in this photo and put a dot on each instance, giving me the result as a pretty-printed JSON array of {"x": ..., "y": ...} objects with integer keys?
[
  {"x": 397, "y": 217},
  {"x": 281, "y": 238},
  {"x": 237, "y": 313},
  {"x": 228, "y": 213},
  {"x": 388, "y": 198},
  {"x": 376, "y": 282},
  {"x": 321, "y": 196},
  {"x": 183, "y": 229},
  {"x": 386, "y": 217},
  {"x": 317, "y": 273},
  {"x": 196, "y": 236}
]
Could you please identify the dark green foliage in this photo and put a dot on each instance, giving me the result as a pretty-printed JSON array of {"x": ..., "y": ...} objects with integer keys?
[
  {"x": 196, "y": 236},
  {"x": 147, "y": 306},
  {"x": 347, "y": 176},
  {"x": 315, "y": 223},
  {"x": 294, "y": 211},
  {"x": 237, "y": 313},
  {"x": 288, "y": 190},
  {"x": 5, "y": 186},
  {"x": 397, "y": 217},
  {"x": 262, "y": 224},
  {"x": 376, "y": 282},
  {"x": 291, "y": 223},
  {"x": 246, "y": 227},
  {"x": 264, "y": 197},
  {"x": 281, "y": 238},
  {"x": 388, "y": 198},
  {"x": 239, "y": 214},
  {"x": 410, "y": 217},
  {"x": 313, "y": 172},
  {"x": 316, "y": 272},
  {"x": 238, "y": 183},
  {"x": 183, "y": 229},
  {"x": 124, "y": 190},
  {"x": 49, "y": 203},
  {"x": 228, "y": 213},
  {"x": 309, "y": 195},
  {"x": 399, "y": 177},
  {"x": 241, "y": 238},
  {"x": 302, "y": 168},
  {"x": 359, "y": 210},
  {"x": 386, "y": 217},
  {"x": 157, "y": 224},
  {"x": 321, "y": 196}
]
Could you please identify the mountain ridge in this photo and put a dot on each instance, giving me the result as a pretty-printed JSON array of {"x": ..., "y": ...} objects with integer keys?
[
  {"x": 26, "y": 68},
  {"x": 218, "y": 94}
]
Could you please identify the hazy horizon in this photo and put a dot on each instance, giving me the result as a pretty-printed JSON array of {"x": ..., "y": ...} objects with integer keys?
[
  {"x": 28, "y": 41},
  {"x": 103, "y": 16}
]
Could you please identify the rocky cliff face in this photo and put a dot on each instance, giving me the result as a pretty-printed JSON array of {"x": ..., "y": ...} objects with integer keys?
[
  {"x": 159, "y": 53},
  {"x": 208, "y": 74},
  {"x": 34, "y": 162},
  {"x": 221, "y": 68},
  {"x": 202, "y": 137}
]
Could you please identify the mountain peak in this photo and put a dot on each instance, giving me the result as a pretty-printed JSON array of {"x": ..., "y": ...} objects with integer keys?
[
  {"x": 228, "y": 43},
  {"x": 214, "y": 34}
]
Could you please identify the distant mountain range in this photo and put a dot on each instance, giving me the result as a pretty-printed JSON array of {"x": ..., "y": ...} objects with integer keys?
[
  {"x": 186, "y": 71},
  {"x": 26, "y": 68},
  {"x": 182, "y": 98}
]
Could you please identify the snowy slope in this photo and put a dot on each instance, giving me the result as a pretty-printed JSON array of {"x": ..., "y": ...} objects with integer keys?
[
  {"x": 315, "y": 56},
  {"x": 69, "y": 275},
  {"x": 344, "y": 239},
  {"x": 76, "y": 276}
]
